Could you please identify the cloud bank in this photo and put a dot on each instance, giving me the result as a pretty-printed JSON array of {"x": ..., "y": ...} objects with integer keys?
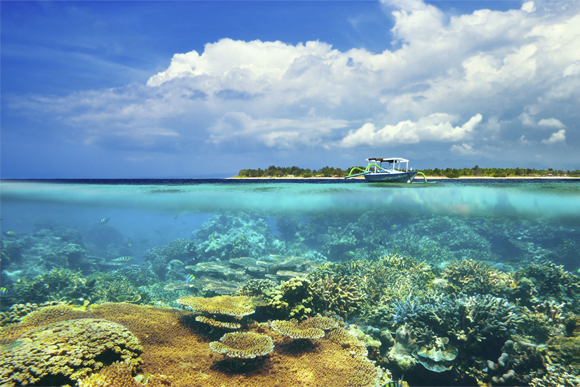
[{"x": 460, "y": 83}]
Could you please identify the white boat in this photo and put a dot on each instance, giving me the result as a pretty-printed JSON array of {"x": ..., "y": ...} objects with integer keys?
[{"x": 395, "y": 172}]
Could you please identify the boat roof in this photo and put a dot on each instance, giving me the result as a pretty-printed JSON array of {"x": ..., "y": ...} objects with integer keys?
[{"x": 388, "y": 160}]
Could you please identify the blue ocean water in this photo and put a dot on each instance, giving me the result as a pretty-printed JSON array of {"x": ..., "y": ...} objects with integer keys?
[{"x": 164, "y": 239}]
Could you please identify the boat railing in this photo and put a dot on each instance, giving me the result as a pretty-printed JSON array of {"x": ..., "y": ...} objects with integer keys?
[{"x": 366, "y": 170}]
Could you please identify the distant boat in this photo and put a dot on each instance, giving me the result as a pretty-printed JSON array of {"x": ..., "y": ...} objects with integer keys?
[{"x": 393, "y": 173}]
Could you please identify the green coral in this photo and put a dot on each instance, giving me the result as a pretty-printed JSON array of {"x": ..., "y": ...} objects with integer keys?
[{"x": 293, "y": 298}]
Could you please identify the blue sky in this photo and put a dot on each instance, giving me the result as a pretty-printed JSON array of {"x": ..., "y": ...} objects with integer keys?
[{"x": 193, "y": 89}]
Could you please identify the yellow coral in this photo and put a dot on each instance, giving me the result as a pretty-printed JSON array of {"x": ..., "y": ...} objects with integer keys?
[
  {"x": 64, "y": 351},
  {"x": 295, "y": 331},
  {"x": 342, "y": 337},
  {"x": 118, "y": 374},
  {"x": 324, "y": 323},
  {"x": 217, "y": 324},
  {"x": 176, "y": 355},
  {"x": 225, "y": 305},
  {"x": 243, "y": 345}
]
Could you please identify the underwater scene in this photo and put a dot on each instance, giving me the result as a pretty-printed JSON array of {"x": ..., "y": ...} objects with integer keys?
[{"x": 290, "y": 283}]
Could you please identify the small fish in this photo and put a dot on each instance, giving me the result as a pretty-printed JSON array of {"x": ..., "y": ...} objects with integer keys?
[
  {"x": 19, "y": 281},
  {"x": 3, "y": 291},
  {"x": 397, "y": 383},
  {"x": 104, "y": 220},
  {"x": 122, "y": 259},
  {"x": 189, "y": 277},
  {"x": 395, "y": 226},
  {"x": 10, "y": 233},
  {"x": 424, "y": 250}
]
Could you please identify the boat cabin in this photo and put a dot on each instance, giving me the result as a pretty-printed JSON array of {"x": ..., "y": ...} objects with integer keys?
[{"x": 395, "y": 164}]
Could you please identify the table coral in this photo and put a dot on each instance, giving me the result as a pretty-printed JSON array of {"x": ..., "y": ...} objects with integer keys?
[
  {"x": 217, "y": 324},
  {"x": 296, "y": 331},
  {"x": 324, "y": 323},
  {"x": 243, "y": 345},
  {"x": 224, "y": 305},
  {"x": 61, "y": 352}
]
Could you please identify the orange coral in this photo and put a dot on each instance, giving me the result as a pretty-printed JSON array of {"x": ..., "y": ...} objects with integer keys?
[{"x": 243, "y": 345}]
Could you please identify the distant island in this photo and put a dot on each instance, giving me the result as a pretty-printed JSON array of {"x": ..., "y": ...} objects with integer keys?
[{"x": 330, "y": 172}]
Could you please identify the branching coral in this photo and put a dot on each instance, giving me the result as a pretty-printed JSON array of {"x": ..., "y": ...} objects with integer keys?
[
  {"x": 337, "y": 294},
  {"x": 293, "y": 298},
  {"x": 548, "y": 282},
  {"x": 474, "y": 277}
]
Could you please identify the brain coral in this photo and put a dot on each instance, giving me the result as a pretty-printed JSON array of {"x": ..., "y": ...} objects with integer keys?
[
  {"x": 61, "y": 352},
  {"x": 224, "y": 305},
  {"x": 243, "y": 345}
]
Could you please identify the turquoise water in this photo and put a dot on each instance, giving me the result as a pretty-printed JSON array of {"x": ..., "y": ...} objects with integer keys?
[
  {"x": 543, "y": 215},
  {"x": 149, "y": 243}
]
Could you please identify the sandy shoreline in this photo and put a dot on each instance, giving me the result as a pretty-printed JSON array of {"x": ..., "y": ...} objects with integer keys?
[{"x": 420, "y": 177}]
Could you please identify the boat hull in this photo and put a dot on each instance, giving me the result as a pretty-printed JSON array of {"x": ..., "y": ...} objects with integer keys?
[{"x": 401, "y": 177}]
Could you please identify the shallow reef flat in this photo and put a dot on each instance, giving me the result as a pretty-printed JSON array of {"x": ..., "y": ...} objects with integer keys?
[{"x": 176, "y": 352}]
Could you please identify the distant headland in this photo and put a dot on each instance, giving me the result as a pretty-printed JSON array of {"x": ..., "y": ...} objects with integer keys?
[{"x": 274, "y": 172}]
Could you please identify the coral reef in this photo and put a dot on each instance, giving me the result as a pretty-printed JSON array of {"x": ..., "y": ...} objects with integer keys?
[{"x": 177, "y": 355}]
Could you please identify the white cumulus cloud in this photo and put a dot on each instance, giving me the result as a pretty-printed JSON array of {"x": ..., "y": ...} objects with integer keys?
[
  {"x": 551, "y": 123},
  {"x": 435, "y": 127},
  {"x": 556, "y": 137}
]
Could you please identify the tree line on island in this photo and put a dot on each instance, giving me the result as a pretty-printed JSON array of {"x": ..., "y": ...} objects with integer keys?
[{"x": 274, "y": 171}]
